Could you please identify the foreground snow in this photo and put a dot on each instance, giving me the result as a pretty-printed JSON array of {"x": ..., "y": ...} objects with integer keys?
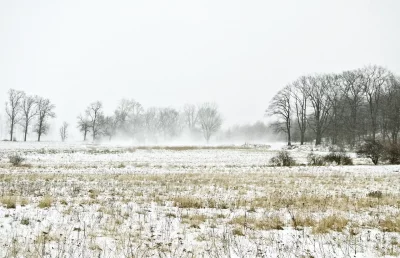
[{"x": 117, "y": 201}]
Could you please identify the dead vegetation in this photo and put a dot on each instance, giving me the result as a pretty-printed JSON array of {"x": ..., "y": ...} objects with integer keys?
[{"x": 159, "y": 211}]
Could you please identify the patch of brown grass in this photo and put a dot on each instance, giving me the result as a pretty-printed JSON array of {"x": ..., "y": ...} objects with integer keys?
[
  {"x": 188, "y": 202},
  {"x": 194, "y": 220},
  {"x": 332, "y": 222},
  {"x": 10, "y": 202},
  {"x": 267, "y": 223},
  {"x": 302, "y": 221},
  {"x": 45, "y": 202},
  {"x": 390, "y": 224}
]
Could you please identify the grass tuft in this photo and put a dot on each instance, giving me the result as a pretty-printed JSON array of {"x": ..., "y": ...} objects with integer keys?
[{"x": 45, "y": 202}]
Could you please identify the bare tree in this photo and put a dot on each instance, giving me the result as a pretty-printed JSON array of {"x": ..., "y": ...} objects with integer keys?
[
  {"x": 128, "y": 116},
  {"x": 336, "y": 124},
  {"x": 151, "y": 122},
  {"x": 84, "y": 125},
  {"x": 352, "y": 92},
  {"x": 64, "y": 131},
  {"x": 135, "y": 120},
  {"x": 299, "y": 93},
  {"x": 320, "y": 98},
  {"x": 169, "y": 122},
  {"x": 13, "y": 108},
  {"x": 190, "y": 116},
  {"x": 45, "y": 111},
  {"x": 373, "y": 80},
  {"x": 29, "y": 111},
  {"x": 210, "y": 119},
  {"x": 390, "y": 110},
  {"x": 280, "y": 107},
  {"x": 110, "y": 126},
  {"x": 95, "y": 114}
]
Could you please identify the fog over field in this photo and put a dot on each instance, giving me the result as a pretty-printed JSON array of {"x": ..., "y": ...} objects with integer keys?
[
  {"x": 168, "y": 53},
  {"x": 181, "y": 129}
]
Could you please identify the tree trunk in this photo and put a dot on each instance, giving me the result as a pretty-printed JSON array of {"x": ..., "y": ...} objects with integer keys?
[
  {"x": 318, "y": 139},
  {"x": 26, "y": 131},
  {"x": 40, "y": 130},
  {"x": 94, "y": 131},
  {"x": 208, "y": 135},
  {"x": 12, "y": 130},
  {"x": 288, "y": 133},
  {"x": 373, "y": 133}
]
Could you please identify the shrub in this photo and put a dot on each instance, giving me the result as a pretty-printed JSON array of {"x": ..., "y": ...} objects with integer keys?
[
  {"x": 391, "y": 153},
  {"x": 16, "y": 159},
  {"x": 340, "y": 158},
  {"x": 315, "y": 160},
  {"x": 375, "y": 194},
  {"x": 121, "y": 165},
  {"x": 283, "y": 159},
  {"x": 371, "y": 149},
  {"x": 25, "y": 221}
]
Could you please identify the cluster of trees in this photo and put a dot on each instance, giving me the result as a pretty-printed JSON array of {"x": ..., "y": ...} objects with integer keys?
[
  {"x": 131, "y": 120},
  {"x": 340, "y": 108},
  {"x": 29, "y": 112}
]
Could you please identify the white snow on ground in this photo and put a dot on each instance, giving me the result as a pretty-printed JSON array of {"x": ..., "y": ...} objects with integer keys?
[{"x": 121, "y": 201}]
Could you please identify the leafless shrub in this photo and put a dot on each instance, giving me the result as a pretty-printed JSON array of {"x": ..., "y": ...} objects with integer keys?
[
  {"x": 283, "y": 159},
  {"x": 340, "y": 158},
  {"x": 315, "y": 160},
  {"x": 16, "y": 159},
  {"x": 371, "y": 149}
]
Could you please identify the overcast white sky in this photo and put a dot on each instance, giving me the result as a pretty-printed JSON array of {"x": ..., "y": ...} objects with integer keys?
[{"x": 167, "y": 53}]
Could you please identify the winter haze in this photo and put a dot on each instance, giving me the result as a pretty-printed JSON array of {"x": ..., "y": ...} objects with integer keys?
[{"x": 168, "y": 53}]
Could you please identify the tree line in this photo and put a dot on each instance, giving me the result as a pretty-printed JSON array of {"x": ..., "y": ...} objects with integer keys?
[
  {"x": 130, "y": 119},
  {"x": 343, "y": 108}
]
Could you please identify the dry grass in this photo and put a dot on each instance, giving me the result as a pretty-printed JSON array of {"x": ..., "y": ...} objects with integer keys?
[
  {"x": 10, "y": 202},
  {"x": 390, "y": 224},
  {"x": 303, "y": 220},
  {"x": 93, "y": 194},
  {"x": 188, "y": 202},
  {"x": 267, "y": 223},
  {"x": 194, "y": 220},
  {"x": 154, "y": 212},
  {"x": 45, "y": 202},
  {"x": 333, "y": 222}
]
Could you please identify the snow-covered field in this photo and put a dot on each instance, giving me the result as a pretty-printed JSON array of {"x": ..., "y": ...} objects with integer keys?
[{"x": 73, "y": 200}]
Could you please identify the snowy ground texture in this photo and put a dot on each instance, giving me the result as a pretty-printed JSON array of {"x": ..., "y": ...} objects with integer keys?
[{"x": 71, "y": 200}]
